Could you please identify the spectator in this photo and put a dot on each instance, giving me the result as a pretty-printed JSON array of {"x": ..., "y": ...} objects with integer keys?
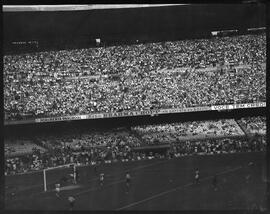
[
  {"x": 176, "y": 74},
  {"x": 119, "y": 145}
]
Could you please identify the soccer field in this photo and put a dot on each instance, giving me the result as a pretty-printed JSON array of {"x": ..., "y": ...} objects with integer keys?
[{"x": 155, "y": 185}]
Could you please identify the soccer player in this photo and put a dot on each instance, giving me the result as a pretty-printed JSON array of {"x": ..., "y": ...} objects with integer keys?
[
  {"x": 248, "y": 178},
  {"x": 197, "y": 177},
  {"x": 57, "y": 190},
  {"x": 101, "y": 179},
  {"x": 214, "y": 182},
  {"x": 95, "y": 168},
  {"x": 13, "y": 193},
  {"x": 76, "y": 173},
  {"x": 128, "y": 177},
  {"x": 63, "y": 180},
  {"x": 71, "y": 200}
]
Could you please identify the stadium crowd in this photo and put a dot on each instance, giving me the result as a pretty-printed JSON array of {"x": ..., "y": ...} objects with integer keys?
[
  {"x": 167, "y": 133},
  {"x": 135, "y": 77},
  {"x": 119, "y": 145},
  {"x": 217, "y": 146},
  {"x": 81, "y": 140},
  {"x": 14, "y": 147},
  {"x": 254, "y": 125},
  {"x": 77, "y": 148}
]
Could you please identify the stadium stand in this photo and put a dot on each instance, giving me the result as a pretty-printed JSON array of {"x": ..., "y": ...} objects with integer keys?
[
  {"x": 221, "y": 146},
  {"x": 254, "y": 125},
  {"x": 21, "y": 147},
  {"x": 166, "y": 133},
  {"x": 189, "y": 138},
  {"x": 180, "y": 74}
]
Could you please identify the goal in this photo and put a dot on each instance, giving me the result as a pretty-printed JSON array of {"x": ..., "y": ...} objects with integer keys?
[{"x": 63, "y": 175}]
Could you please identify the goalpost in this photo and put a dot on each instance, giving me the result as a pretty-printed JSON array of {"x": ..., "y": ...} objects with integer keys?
[{"x": 57, "y": 173}]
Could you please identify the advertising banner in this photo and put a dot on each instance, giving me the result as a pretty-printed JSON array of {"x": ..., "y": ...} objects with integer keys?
[{"x": 140, "y": 113}]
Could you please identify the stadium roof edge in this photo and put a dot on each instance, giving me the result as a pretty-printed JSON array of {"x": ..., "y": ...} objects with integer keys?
[{"x": 22, "y": 8}]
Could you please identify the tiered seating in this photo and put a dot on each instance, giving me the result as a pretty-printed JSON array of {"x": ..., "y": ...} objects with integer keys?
[
  {"x": 190, "y": 138},
  {"x": 166, "y": 133},
  {"x": 254, "y": 125},
  {"x": 21, "y": 147},
  {"x": 135, "y": 77}
]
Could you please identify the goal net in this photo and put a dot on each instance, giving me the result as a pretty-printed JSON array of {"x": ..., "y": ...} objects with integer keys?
[{"x": 64, "y": 175}]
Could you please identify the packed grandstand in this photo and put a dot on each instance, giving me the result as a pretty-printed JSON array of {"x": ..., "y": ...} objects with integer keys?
[
  {"x": 163, "y": 75},
  {"x": 136, "y": 92},
  {"x": 122, "y": 144}
]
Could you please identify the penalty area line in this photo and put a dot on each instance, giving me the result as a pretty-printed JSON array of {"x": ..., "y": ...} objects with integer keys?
[
  {"x": 175, "y": 189},
  {"x": 119, "y": 181}
]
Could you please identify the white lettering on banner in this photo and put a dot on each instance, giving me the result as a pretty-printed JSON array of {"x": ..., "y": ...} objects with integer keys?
[
  {"x": 52, "y": 119},
  {"x": 94, "y": 116},
  {"x": 260, "y": 104},
  {"x": 151, "y": 112},
  {"x": 178, "y": 110},
  {"x": 236, "y": 106},
  {"x": 164, "y": 111},
  {"x": 84, "y": 117},
  {"x": 221, "y": 107}
]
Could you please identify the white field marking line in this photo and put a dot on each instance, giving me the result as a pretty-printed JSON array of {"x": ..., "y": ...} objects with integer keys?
[
  {"x": 92, "y": 189},
  {"x": 134, "y": 169},
  {"x": 96, "y": 188},
  {"x": 174, "y": 189},
  {"x": 94, "y": 179},
  {"x": 79, "y": 193},
  {"x": 120, "y": 181},
  {"x": 51, "y": 183},
  {"x": 109, "y": 184},
  {"x": 41, "y": 170}
]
